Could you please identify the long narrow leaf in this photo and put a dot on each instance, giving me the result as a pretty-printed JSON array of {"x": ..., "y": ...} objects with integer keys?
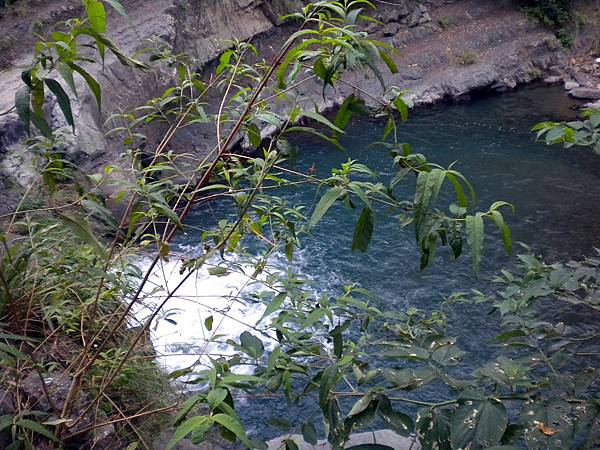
[{"x": 63, "y": 99}]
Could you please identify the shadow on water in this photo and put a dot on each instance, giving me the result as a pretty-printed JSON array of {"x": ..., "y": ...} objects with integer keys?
[{"x": 556, "y": 192}]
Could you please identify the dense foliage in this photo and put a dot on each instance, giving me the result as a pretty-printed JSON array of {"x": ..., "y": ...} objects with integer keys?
[
  {"x": 553, "y": 13},
  {"x": 72, "y": 272}
]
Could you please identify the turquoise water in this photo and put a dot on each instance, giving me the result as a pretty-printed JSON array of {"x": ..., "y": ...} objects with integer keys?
[{"x": 556, "y": 193}]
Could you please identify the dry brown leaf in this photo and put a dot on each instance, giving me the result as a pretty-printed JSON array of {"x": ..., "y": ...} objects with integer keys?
[{"x": 547, "y": 430}]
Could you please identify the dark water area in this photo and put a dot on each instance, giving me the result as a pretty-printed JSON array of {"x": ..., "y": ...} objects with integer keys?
[{"x": 556, "y": 193}]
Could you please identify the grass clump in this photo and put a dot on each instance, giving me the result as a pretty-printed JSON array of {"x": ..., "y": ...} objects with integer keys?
[{"x": 465, "y": 58}]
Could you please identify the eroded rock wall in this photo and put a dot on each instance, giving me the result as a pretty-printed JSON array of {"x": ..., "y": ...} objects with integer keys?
[{"x": 446, "y": 49}]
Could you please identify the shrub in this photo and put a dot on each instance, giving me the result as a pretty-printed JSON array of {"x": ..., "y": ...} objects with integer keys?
[{"x": 553, "y": 13}]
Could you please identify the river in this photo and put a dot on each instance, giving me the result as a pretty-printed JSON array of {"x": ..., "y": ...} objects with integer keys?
[{"x": 556, "y": 193}]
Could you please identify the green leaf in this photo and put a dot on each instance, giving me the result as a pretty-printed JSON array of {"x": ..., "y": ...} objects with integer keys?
[
  {"x": 290, "y": 444},
  {"x": 22, "y": 105},
  {"x": 433, "y": 429},
  {"x": 208, "y": 323},
  {"x": 402, "y": 108},
  {"x": 396, "y": 421},
  {"x": 42, "y": 125},
  {"x": 96, "y": 15},
  {"x": 13, "y": 351},
  {"x": 91, "y": 82},
  {"x": 309, "y": 433},
  {"x": 224, "y": 62},
  {"x": 461, "y": 197},
  {"x": 252, "y": 345},
  {"x": 81, "y": 228},
  {"x": 324, "y": 204},
  {"x": 37, "y": 428},
  {"x": 63, "y": 100},
  {"x": 426, "y": 194},
  {"x": 216, "y": 397},
  {"x": 279, "y": 423},
  {"x": 390, "y": 127},
  {"x": 321, "y": 119},
  {"x": 254, "y": 135},
  {"x": 504, "y": 229},
  {"x": 314, "y": 316},
  {"x": 478, "y": 424},
  {"x": 361, "y": 404},
  {"x": 448, "y": 355},
  {"x": 363, "y": 232},
  {"x": 187, "y": 427},
  {"x": 218, "y": 271},
  {"x": 387, "y": 59},
  {"x": 187, "y": 406},
  {"x": 344, "y": 114},
  {"x": 475, "y": 238},
  {"x": 275, "y": 304},
  {"x": 18, "y": 337},
  {"x": 234, "y": 426},
  {"x": 411, "y": 352},
  {"x": 328, "y": 382},
  {"x": 409, "y": 378},
  {"x": 6, "y": 421}
]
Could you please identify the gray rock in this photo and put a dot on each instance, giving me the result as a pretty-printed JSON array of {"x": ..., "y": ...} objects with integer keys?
[
  {"x": 11, "y": 130},
  {"x": 383, "y": 437},
  {"x": 391, "y": 29},
  {"x": 57, "y": 386},
  {"x": 419, "y": 15},
  {"x": 580, "y": 78},
  {"x": 585, "y": 93},
  {"x": 569, "y": 85},
  {"x": 554, "y": 79}
]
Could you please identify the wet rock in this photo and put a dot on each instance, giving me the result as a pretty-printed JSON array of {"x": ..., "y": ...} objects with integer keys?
[
  {"x": 391, "y": 29},
  {"x": 554, "y": 79},
  {"x": 585, "y": 93},
  {"x": 569, "y": 85}
]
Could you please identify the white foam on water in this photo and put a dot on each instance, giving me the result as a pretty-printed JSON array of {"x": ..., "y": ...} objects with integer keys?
[{"x": 179, "y": 334}]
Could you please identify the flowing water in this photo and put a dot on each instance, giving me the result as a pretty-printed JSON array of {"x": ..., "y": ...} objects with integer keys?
[{"x": 556, "y": 193}]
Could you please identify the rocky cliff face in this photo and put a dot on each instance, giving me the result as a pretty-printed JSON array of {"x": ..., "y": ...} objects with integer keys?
[{"x": 447, "y": 49}]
